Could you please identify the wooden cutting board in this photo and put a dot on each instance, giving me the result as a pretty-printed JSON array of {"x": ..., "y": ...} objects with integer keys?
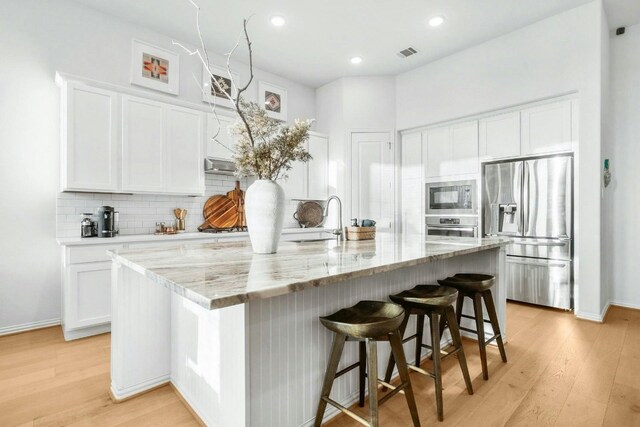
[
  {"x": 237, "y": 195},
  {"x": 219, "y": 212}
]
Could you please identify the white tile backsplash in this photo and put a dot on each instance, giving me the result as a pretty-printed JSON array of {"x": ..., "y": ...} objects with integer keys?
[{"x": 140, "y": 212}]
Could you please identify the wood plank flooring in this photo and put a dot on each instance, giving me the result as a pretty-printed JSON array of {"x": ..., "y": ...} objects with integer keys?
[{"x": 562, "y": 371}]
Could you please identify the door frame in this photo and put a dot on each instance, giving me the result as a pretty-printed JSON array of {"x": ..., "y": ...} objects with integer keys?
[{"x": 349, "y": 164}]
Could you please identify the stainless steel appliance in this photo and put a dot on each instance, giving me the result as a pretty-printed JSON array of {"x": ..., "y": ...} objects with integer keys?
[
  {"x": 219, "y": 167},
  {"x": 531, "y": 201},
  {"x": 451, "y": 198},
  {"x": 107, "y": 221},
  {"x": 88, "y": 226},
  {"x": 464, "y": 226}
]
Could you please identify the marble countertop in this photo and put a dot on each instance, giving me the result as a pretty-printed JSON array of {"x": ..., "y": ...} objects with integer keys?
[
  {"x": 222, "y": 274},
  {"x": 132, "y": 238}
]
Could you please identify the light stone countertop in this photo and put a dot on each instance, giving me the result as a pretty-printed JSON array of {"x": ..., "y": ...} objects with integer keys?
[{"x": 222, "y": 274}]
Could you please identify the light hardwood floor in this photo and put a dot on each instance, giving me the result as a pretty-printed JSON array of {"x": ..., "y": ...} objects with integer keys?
[{"x": 561, "y": 371}]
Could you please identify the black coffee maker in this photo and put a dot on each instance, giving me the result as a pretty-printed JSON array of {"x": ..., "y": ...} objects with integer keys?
[{"x": 107, "y": 222}]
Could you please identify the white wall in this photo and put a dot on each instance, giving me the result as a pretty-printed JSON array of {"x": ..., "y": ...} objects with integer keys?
[
  {"x": 555, "y": 56},
  {"x": 40, "y": 38},
  {"x": 352, "y": 104},
  {"x": 622, "y": 196}
]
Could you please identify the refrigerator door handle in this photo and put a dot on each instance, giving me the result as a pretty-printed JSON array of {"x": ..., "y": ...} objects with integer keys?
[{"x": 525, "y": 197}]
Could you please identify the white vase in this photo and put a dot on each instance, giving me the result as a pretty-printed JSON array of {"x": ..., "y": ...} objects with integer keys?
[{"x": 264, "y": 207}]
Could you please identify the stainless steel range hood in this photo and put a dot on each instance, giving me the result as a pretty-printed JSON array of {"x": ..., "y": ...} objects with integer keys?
[{"x": 219, "y": 167}]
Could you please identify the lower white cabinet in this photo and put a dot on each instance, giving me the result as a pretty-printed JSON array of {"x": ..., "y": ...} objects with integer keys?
[{"x": 89, "y": 295}]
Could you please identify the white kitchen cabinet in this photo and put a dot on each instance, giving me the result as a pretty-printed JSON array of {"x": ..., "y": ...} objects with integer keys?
[
  {"x": 412, "y": 184},
  {"x": 500, "y": 136},
  {"x": 223, "y": 147},
  {"x": 184, "y": 150},
  {"x": 318, "y": 167},
  {"x": 412, "y": 155},
  {"x": 162, "y": 148},
  {"x": 143, "y": 148},
  {"x": 89, "y": 295},
  {"x": 90, "y": 139},
  {"x": 451, "y": 150},
  {"x": 464, "y": 148},
  {"x": 547, "y": 128},
  {"x": 309, "y": 180}
]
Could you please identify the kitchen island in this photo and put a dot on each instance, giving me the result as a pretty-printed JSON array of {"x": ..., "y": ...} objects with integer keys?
[{"x": 237, "y": 334}]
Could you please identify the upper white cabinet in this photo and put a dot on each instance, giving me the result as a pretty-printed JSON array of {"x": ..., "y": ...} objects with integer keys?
[
  {"x": 116, "y": 142},
  {"x": 220, "y": 142},
  {"x": 143, "y": 150},
  {"x": 90, "y": 139},
  {"x": 309, "y": 180},
  {"x": 451, "y": 150},
  {"x": 500, "y": 136},
  {"x": 184, "y": 150},
  {"x": 547, "y": 128}
]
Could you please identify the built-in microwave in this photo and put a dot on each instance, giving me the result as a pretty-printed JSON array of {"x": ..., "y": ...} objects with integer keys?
[{"x": 452, "y": 198}]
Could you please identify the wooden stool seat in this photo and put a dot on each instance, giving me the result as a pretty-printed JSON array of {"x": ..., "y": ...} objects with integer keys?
[
  {"x": 366, "y": 319},
  {"x": 478, "y": 288},
  {"x": 367, "y": 322},
  {"x": 427, "y": 295},
  {"x": 434, "y": 302},
  {"x": 469, "y": 282}
]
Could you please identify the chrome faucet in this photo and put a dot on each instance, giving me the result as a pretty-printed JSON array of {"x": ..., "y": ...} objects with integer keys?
[{"x": 338, "y": 231}]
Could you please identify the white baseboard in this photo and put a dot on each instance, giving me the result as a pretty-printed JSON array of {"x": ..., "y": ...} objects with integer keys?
[
  {"x": 86, "y": 332},
  {"x": 626, "y": 305},
  {"x": 29, "y": 326},
  {"x": 594, "y": 317}
]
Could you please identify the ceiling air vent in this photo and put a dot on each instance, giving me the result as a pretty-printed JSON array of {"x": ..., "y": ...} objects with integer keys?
[{"x": 405, "y": 53}]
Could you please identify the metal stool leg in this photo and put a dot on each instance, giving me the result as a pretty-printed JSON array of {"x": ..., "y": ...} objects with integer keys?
[
  {"x": 392, "y": 363},
  {"x": 491, "y": 310},
  {"x": 395, "y": 339},
  {"x": 457, "y": 342},
  {"x": 362, "y": 374},
  {"x": 434, "y": 319},
  {"x": 330, "y": 374},
  {"x": 477, "y": 307},
  {"x": 372, "y": 347},
  {"x": 420, "y": 333}
]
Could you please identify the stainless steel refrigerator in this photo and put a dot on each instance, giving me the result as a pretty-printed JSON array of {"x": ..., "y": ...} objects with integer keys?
[{"x": 531, "y": 201}]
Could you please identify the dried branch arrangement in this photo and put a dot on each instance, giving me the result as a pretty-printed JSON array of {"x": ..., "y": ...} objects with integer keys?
[{"x": 265, "y": 147}]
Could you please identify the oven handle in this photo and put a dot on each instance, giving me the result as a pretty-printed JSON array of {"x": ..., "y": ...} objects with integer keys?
[{"x": 436, "y": 227}]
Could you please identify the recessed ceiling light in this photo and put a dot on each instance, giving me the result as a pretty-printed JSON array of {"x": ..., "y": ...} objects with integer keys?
[
  {"x": 436, "y": 21},
  {"x": 277, "y": 21},
  {"x": 356, "y": 60}
]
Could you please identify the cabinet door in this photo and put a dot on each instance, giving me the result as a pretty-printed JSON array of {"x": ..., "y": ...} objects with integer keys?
[
  {"x": 184, "y": 145},
  {"x": 412, "y": 155},
  {"x": 295, "y": 185},
  {"x": 223, "y": 146},
  {"x": 436, "y": 152},
  {"x": 464, "y": 148},
  {"x": 318, "y": 167},
  {"x": 90, "y": 139},
  {"x": 412, "y": 196},
  {"x": 88, "y": 297},
  {"x": 142, "y": 145},
  {"x": 547, "y": 128},
  {"x": 500, "y": 136}
]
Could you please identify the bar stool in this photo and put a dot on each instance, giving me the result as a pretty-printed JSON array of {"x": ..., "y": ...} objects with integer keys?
[
  {"x": 366, "y": 322},
  {"x": 478, "y": 288},
  {"x": 432, "y": 301}
]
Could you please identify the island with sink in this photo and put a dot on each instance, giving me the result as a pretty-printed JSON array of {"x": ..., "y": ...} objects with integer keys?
[{"x": 237, "y": 334}]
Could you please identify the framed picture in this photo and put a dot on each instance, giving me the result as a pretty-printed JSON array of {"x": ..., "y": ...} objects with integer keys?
[
  {"x": 211, "y": 93},
  {"x": 274, "y": 99},
  {"x": 155, "y": 68}
]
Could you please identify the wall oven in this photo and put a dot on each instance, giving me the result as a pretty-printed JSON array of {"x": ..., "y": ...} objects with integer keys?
[
  {"x": 466, "y": 226},
  {"x": 451, "y": 198}
]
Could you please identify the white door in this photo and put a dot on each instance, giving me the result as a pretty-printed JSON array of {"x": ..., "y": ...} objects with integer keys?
[
  {"x": 464, "y": 148},
  {"x": 90, "y": 146},
  {"x": 184, "y": 145},
  {"x": 224, "y": 144},
  {"x": 142, "y": 145},
  {"x": 372, "y": 178},
  {"x": 547, "y": 128},
  {"x": 437, "y": 152},
  {"x": 500, "y": 136},
  {"x": 318, "y": 167},
  {"x": 89, "y": 295}
]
